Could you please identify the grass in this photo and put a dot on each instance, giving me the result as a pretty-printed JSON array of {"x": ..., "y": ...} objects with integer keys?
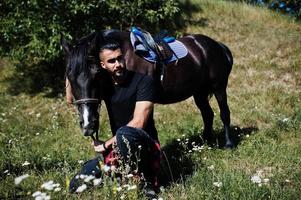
[{"x": 264, "y": 98}]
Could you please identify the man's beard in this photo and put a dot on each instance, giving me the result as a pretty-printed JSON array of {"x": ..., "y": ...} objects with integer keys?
[{"x": 119, "y": 75}]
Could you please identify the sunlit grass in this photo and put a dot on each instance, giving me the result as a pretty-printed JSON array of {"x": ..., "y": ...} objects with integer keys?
[{"x": 40, "y": 136}]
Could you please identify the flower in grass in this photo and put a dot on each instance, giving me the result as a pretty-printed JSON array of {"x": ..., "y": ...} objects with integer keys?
[
  {"x": 119, "y": 189},
  {"x": 50, "y": 185},
  {"x": 38, "y": 195},
  {"x": 218, "y": 184},
  {"x": 106, "y": 168},
  {"x": 19, "y": 179},
  {"x": 89, "y": 178},
  {"x": 256, "y": 179},
  {"x": 130, "y": 176},
  {"x": 211, "y": 167},
  {"x": 97, "y": 181},
  {"x": 132, "y": 187},
  {"x": 80, "y": 162},
  {"x": 81, "y": 188},
  {"x": 26, "y": 163}
]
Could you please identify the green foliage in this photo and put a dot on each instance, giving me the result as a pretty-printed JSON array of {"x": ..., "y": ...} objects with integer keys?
[
  {"x": 30, "y": 30},
  {"x": 264, "y": 99}
]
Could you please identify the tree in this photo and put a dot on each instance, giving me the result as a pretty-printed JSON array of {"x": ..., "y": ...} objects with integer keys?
[{"x": 30, "y": 30}]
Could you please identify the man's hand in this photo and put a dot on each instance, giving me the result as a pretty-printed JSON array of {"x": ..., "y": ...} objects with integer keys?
[{"x": 98, "y": 146}]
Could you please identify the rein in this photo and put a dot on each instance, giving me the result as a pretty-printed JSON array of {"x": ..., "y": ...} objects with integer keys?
[{"x": 86, "y": 100}]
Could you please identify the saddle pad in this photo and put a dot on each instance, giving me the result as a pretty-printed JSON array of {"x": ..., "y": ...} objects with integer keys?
[{"x": 178, "y": 48}]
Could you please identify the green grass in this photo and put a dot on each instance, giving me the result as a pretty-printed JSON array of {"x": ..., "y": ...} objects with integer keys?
[{"x": 264, "y": 98}]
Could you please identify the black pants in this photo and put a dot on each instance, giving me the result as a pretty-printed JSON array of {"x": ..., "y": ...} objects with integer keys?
[{"x": 137, "y": 149}]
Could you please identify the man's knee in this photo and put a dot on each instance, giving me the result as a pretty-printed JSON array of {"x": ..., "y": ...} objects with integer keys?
[{"x": 128, "y": 134}]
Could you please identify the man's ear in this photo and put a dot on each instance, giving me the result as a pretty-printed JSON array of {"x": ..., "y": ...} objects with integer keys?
[
  {"x": 102, "y": 65},
  {"x": 66, "y": 46}
]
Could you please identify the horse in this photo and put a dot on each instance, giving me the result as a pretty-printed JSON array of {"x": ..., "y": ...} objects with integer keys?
[{"x": 202, "y": 73}]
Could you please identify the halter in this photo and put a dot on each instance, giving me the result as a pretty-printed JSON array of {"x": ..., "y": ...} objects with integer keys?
[{"x": 86, "y": 100}]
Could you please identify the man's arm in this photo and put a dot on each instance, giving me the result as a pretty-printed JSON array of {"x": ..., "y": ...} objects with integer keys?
[
  {"x": 141, "y": 114},
  {"x": 69, "y": 96}
]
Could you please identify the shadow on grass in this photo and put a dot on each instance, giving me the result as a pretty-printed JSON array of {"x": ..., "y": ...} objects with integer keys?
[
  {"x": 47, "y": 77},
  {"x": 177, "y": 165}
]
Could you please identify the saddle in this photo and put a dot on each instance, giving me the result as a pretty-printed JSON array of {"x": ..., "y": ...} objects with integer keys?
[{"x": 161, "y": 49}]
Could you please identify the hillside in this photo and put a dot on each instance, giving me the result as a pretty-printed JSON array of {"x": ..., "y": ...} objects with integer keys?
[{"x": 40, "y": 136}]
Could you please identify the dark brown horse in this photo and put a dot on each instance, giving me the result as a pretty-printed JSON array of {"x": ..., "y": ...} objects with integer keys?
[{"x": 204, "y": 71}]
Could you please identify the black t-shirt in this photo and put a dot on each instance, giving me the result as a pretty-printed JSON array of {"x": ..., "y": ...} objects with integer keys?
[{"x": 121, "y": 104}]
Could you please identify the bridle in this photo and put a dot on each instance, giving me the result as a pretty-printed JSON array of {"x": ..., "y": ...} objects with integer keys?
[{"x": 85, "y": 101}]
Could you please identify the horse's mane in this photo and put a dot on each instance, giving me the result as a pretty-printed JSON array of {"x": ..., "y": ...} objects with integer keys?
[{"x": 85, "y": 47}]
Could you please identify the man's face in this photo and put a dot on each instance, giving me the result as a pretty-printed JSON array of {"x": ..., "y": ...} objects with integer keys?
[{"x": 113, "y": 62}]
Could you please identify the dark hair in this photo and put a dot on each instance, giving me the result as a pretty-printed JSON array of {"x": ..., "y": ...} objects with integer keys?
[{"x": 109, "y": 44}]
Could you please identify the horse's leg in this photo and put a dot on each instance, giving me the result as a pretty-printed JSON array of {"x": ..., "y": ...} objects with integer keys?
[
  {"x": 202, "y": 102},
  {"x": 221, "y": 97}
]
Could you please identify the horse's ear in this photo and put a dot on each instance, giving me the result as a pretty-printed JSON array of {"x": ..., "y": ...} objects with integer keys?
[{"x": 66, "y": 46}]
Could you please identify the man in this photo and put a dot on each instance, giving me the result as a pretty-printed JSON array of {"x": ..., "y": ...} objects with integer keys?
[{"x": 130, "y": 109}]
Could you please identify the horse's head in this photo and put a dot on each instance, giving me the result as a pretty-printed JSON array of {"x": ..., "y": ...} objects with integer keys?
[{"x": 83, "y": 72}]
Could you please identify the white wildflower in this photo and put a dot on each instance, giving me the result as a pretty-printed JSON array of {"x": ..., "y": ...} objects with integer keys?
[
  {"x": 287, "y": 180},
  {"x": 160, "y": 198},
  {"x": 247, "y": 135},
  {"x": 285, "y": 119},
  {"x": 41, "y": 196},
  {"x": 81, "y": 188},
  {"x": 256, "y": 179},
  {"x": 211, "y": 167},
  {"x": 48, "y": 185},
  {"x": 130, "y": 176},
  {"x": 133, "y": 187},
  {"x": 189, "y": 151},
  {"x": 38, "y": 115},
  {"x": 119, "y": 189},
  {"x": 19, "y": 179},
  {"x": 57, "y": 189},
  {"x": 6, "y": 171},
  {"x": 37, "y": 133},
  {"x": 25, "y": 163},
  {"x": 106, "y": 168},
  {"x": 89, "y": 178},
  {"x": 80, "y": 161},
  {"x": 179, "y": 140},
  {"x": 97, "y": 181},
  {"x": 37, "y": 193},
  {"x": 82, "y": 176},
  {"x": 218, "y": 184}
]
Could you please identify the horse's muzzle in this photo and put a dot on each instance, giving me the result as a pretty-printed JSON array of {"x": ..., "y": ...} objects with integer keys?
[{"x": 88, "y": 131}]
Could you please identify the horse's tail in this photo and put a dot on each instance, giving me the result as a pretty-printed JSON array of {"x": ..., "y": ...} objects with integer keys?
[{"x": 228, "y": 54}]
